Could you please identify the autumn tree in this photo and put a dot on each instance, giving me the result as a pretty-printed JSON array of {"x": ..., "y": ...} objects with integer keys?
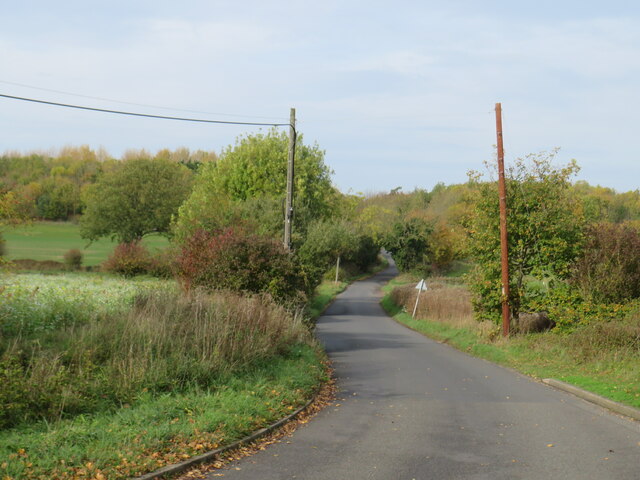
[{"x": 136, "y": 198}]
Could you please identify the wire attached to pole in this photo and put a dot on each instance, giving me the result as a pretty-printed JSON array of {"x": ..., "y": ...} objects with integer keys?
[
  {"x": 111, "y": 100},
  {"x": 145, "y": 115}
]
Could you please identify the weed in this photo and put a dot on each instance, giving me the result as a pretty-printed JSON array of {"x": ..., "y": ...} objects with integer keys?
[{"x": 32, "y": 304}]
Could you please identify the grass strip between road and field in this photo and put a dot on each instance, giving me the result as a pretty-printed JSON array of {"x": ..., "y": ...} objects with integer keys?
[
  {"x": 325, "y": 294},
  {"x": 158, "y": 430},
  {"x": 540, "y": 355}
]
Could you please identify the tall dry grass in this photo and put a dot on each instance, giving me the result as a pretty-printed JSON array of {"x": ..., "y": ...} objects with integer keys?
[
  {"x": 441, "y": 302},
  {"x": 166, "y": 342},
  {"x": 620, "y": 339},
  {"x": 597, "y": 341}
]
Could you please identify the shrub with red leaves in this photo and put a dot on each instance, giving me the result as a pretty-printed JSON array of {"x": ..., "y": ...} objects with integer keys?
[
  {"x": 235, "y": 260},
  {"x": 128, "y": 259}
]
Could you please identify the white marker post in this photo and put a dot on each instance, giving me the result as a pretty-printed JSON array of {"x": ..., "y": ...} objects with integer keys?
[{"x": 421, "y": 287}]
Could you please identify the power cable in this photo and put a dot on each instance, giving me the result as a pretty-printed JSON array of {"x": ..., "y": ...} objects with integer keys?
[
  {"x": 146, "y": 115},
  {"x": 131, "y": 103}
]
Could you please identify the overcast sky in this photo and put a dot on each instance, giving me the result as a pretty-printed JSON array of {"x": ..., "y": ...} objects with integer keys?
[{"x": 398, "y": 93}]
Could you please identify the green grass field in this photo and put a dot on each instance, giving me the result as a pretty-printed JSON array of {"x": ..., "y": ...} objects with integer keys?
[{"x": 51, "y": 240}]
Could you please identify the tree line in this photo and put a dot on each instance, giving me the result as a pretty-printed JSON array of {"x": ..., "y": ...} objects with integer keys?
[
  {"x": 564, "y": 235},
  {"x": 223, "y": 213},
  {"x": 51, "y": 186}
]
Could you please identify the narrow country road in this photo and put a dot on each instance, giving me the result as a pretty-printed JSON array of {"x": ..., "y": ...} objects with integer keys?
[{"x": 411, "y": 408}]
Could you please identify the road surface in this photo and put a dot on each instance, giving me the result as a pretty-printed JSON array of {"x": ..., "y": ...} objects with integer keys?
[{"x": 411, "y": 408}]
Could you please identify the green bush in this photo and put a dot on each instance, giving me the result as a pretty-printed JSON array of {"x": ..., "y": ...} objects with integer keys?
[
  {"x": 345, "y": 272},
  {"x": 128, "y": 259},
  {"x": 12, "y": 394},
  {"x": 609, "y": 268},
  {"x": 234, "y": 260},
  {"x": 73, "y": 259},
  {"x": 408, "y": 244},
  {"x": 566, "y": 306},
  {"x": 365, "y": 253},
  {"x": 328, "y": 240}
]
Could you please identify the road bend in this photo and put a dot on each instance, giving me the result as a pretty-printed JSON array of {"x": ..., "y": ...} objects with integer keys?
[{"x": 411, "y": 408}]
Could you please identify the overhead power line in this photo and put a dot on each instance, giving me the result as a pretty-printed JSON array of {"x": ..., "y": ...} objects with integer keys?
[
  {"x": 132, "y": 103},
  {"x": 145, "y": 115}
]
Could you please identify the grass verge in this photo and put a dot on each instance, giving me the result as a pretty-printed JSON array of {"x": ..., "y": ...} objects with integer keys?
[
  {"x": 325, "y": 293},
  {"x": 607, "y": 371},
  {"x": 160, "y": 430}
]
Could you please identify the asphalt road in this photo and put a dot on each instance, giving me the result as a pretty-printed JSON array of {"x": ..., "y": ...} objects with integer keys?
[{"x": 411, "y": 408}]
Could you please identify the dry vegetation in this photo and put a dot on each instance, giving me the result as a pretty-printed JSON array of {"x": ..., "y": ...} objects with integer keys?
[
  {"x": 441, "y": 303},
  {"x": 166, "y": 342},
  {"x": 451, "y": 305}
]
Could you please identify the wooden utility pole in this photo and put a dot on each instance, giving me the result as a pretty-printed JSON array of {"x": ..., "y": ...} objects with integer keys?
[
  {"x": 504, "y": 248},
  {"x": 288, "y": 212}
]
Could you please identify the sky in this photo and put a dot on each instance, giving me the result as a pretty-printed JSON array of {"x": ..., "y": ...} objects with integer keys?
[{"x": 398, "y": 94}]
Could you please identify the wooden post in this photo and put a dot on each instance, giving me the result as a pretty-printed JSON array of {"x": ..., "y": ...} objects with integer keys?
[
  {"x": 337, "y": 268},
  {"x": 288, "y": 213},
  {"x": 504, "y": 248}
]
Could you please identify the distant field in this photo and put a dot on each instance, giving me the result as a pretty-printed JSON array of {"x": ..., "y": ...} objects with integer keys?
[{"x": 51, "y": 240}]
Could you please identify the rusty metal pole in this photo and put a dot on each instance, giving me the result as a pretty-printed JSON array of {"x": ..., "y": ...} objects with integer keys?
[
  {"x": 504, "y": 248},
  {"x": 288, "y": 213}
]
